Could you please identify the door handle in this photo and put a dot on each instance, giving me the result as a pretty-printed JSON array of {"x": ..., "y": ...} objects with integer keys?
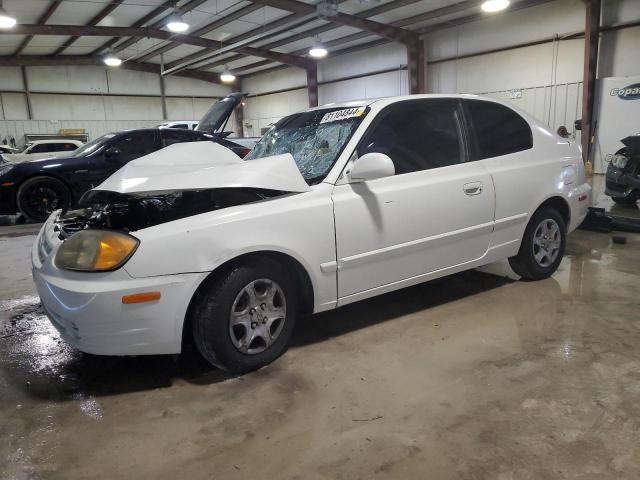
[{"x": 472, "y": 188}]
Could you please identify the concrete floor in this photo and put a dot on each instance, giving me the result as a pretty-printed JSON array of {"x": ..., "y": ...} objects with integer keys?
[{"x": 475, "y": 376}]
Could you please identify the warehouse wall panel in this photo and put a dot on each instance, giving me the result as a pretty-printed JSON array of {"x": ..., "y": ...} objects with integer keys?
[
  {"x": 129, "y": 82},
  {"x": 14, "y": 106},
  {"x": 68, "y": 79},
  {"x": 198, "y": 88},
  {"x": 10, "y": 78},
  {"x": 132, "y": 108}
]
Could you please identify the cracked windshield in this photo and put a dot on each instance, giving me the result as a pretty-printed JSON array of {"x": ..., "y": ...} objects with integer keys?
[{"x": 315, "y": 139}]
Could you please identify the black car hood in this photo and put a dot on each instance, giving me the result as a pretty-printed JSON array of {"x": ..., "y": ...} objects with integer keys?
[
  {"x": 219, "y": 113},
  {"x": 632, "y": 142}
]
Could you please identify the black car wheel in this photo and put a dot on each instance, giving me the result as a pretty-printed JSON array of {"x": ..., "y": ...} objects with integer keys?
[
  {"x": 244, "y": 319},
  {"x": 39, "y": 196},
  {"x": 542, "y": 246}
]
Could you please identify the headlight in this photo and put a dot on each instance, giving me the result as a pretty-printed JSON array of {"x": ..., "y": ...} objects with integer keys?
[
  {"x": 619, "y": 161},
  {"x": 5, "y": 167},
  {"x": 96, "y": 251}
]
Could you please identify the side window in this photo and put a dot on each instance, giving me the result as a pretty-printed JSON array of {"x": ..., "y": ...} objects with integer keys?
[
  {"x": 418, "y": 135},
  {"x": 42, "y": 148},
  {"x": 135, "y": 145},
  {"x": 179, "y": 125},
  {"x": 498, "y": 129},
  {"x": 69, "y": 147},
  {"x": 170, "y": 136}
]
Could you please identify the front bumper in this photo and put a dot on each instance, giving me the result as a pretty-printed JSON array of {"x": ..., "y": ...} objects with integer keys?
[
  {"x": 8, "y": 204},
  {"x": 620, "y": 184},
  {"x": 87, "y": 309}
]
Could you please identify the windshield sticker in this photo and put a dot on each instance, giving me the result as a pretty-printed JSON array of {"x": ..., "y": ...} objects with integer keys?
[{"x": 342, "y": 114}]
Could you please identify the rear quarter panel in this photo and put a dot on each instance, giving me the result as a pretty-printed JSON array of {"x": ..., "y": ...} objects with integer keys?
[{"x": 524, "y": 180}]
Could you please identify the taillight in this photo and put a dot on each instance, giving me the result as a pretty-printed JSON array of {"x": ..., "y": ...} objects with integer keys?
[{"x": 243, "y": 152}]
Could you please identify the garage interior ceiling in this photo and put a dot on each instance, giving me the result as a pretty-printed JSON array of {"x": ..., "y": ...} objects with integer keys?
[{"x": 247, "y": 36}]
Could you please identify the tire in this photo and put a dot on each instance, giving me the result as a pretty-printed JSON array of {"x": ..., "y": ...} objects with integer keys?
[
  {"x": 533, "y": 261},
  {"x": 240, "y": 332},
  {"x": 37, "y": 197},
  {"x": 631, "y": 199}
]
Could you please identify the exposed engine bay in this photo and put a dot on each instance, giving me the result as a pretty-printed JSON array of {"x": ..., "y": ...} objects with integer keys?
[{"x": 131, "y": 212}]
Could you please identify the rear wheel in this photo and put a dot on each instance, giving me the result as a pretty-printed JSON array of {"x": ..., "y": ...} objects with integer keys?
[
  {"x": 244, "y": 320},
  {"x": 542, "y": 246},
  {"x": 37, "y": 197}
]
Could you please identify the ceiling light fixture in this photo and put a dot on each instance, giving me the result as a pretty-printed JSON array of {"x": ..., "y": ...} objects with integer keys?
[
  {"x": 318, "y": 50},
  {"x": 6, "y": 20},
  {"x": 226, "y": 76},
  {"x": 112, "y": 60},
  {"x": 495, "y": 5},
  {"x": 176, "y": 23}
]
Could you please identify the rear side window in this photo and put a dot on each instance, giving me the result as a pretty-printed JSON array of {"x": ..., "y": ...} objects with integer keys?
[
  {"x": 169, "y": 136},
  {"x": 135, "y": 144},
  {"x": 498, "y": 129}
]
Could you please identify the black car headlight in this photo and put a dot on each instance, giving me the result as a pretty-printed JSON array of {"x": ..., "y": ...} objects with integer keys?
[
  {"x": 96, "y": 251},
  {"x": 5, "y": 168},
  {"x": 619, "y": 161}
]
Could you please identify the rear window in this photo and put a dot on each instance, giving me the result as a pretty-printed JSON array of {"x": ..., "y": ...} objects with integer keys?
[{"x": 498, "y": 129}]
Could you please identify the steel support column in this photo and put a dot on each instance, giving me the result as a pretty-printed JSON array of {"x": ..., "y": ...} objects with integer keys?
[
  {"x": 27, "y": 93},
  {"x": 163, "y": 98},
  {"x": 591, "y": 42},
  {"x": 239, "y": 111},
  {"x": 312, "y": 84},
  {"x": 416, "y": 66}
]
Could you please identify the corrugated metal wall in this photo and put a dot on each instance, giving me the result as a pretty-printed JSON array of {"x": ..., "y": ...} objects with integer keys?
[{"x": 555, "y": 105}]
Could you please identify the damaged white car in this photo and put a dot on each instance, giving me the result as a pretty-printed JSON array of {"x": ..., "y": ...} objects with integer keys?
[{"x": 334, "y": 205}]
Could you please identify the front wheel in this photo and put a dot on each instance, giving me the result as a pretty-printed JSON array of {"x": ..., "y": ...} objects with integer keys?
[
  {"x": 542, "y": 246},
  {"x": 37, "y": 197},
  {"x": 244, "y": 320}
]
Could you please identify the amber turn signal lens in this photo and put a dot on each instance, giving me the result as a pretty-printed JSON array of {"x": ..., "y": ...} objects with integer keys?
[
  {"x": 113, "y": 249},
  {"x": 141, "y": 297}
]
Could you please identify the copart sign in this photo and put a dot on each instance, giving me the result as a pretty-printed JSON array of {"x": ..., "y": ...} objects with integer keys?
[{"x": 632, "y": 92}]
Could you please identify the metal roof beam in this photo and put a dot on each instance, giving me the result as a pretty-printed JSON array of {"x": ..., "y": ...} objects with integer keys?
[
  {"x": 170, "y": 4},
  {"x": 41, "y": 21},
  {"x": 381, "y": 29},
  {"x": 187, "y": 7},
  {"x": 102, "y": 14},
  {"x": 43, "y": 60},
  {"x": 94, "y": 31},
  {"x": 203, "y": 30}
]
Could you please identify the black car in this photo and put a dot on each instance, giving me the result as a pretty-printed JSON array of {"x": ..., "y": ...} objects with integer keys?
[
  {"x": 38, "y": 187},
  {"x": 623, "y": 172}
]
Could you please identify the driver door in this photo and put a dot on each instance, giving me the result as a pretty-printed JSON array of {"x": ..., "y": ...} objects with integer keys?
[{"x": 435, "y": 212}]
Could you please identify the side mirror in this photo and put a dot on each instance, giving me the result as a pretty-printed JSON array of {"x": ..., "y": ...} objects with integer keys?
[
  {"x": 371, "y": 166},
  {"x": 112, "y": 154}
]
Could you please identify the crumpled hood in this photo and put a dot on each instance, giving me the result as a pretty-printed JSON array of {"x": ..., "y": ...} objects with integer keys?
[{"x": 204, "y": 165}]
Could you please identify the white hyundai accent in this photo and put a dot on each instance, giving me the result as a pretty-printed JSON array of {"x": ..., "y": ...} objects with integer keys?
[{"x": 334, "y": 205}]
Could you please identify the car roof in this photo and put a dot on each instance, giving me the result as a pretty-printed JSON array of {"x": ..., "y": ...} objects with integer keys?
[
  {"x": 55, "y": 140},
  {"x": 398, "y": 98}
]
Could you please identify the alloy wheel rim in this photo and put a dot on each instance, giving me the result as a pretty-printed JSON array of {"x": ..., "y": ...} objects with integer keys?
[
  {"x": 257, "y": 316},
  {"x": 43, "y": 199},
  {"x": 546, "y": 242}
]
